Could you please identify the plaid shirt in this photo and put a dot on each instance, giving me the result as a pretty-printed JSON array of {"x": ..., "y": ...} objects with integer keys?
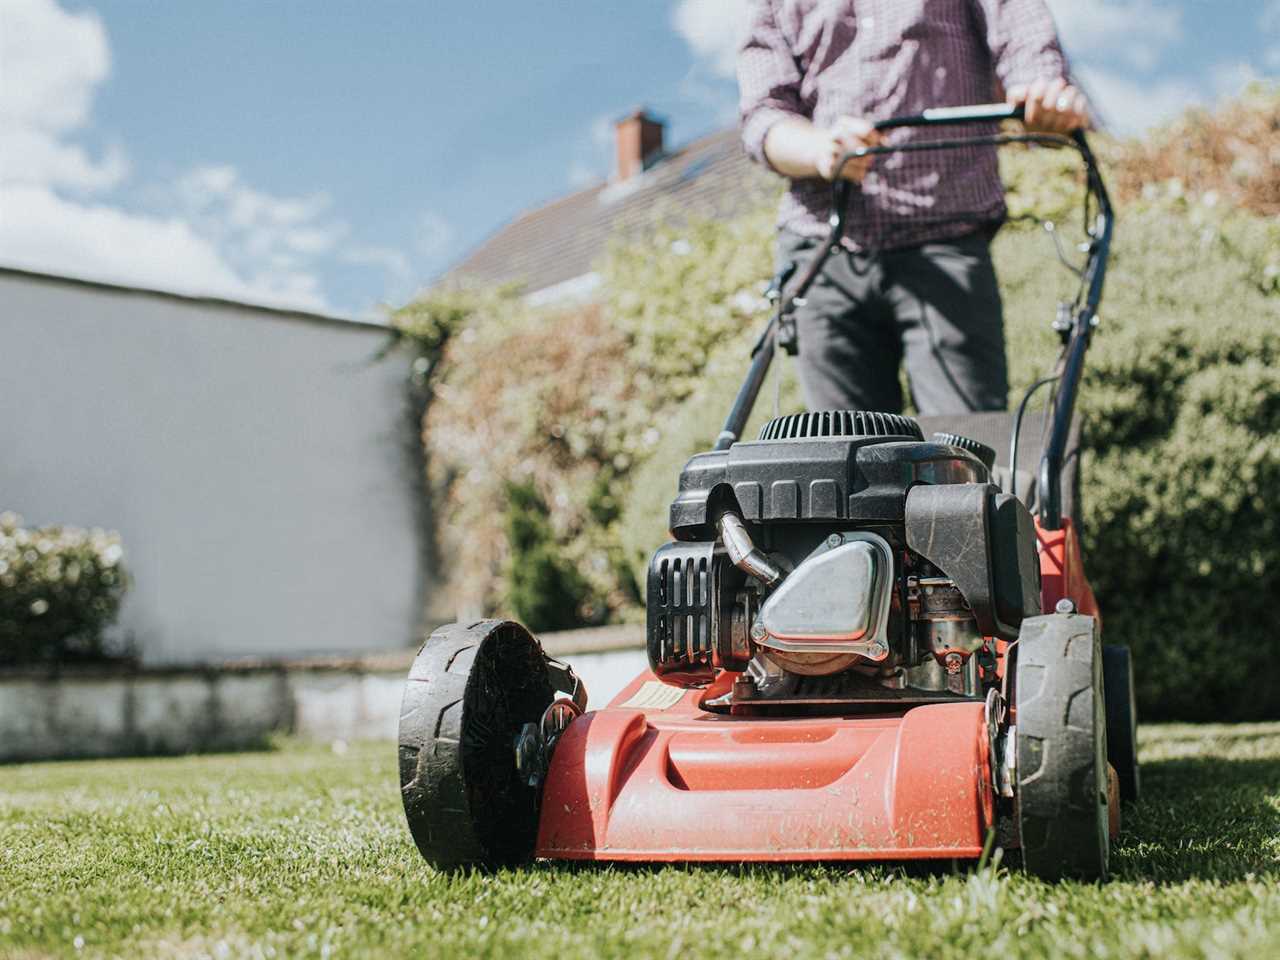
[{"x": 822, "y": 59}]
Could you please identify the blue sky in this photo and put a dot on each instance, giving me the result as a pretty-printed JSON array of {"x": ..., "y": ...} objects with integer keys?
[{"x": 337, "y": 155}]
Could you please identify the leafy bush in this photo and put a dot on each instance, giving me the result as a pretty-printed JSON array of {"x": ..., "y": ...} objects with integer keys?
[
  {"x": 597, "y": 409},
  {"x": 60, "y": 588},
  {"x": 1230, "y": 154},
  {"x": 528, "y": 400},
  {"x": 546, "y": 590}
]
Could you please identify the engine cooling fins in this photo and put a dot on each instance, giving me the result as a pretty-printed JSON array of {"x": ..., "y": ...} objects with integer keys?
[{"x": 845, "y": 424}]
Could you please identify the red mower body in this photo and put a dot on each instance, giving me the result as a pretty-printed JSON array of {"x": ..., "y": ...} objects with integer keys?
[
  {"x": 678, "y": 783},
  {"x": 1062, "y": 570},
  {"x": 655, "y": 777}
]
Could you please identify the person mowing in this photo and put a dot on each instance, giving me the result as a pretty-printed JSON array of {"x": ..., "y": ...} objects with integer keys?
[{"x": 914, "y": 280}]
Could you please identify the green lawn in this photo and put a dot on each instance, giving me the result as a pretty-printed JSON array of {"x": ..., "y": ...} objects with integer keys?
[{"x": 302, "y": 851}]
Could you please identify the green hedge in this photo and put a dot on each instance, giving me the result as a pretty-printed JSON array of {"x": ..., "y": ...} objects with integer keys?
[
  {"x": 530, "y": 425},
  {"x": 599, "y": 407},
  {"x": 1181, "y": 401},
  {"x": 60, "y": 588}
]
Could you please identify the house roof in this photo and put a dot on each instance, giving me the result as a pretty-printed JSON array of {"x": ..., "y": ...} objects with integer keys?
[{"x": 560, "y": 241}]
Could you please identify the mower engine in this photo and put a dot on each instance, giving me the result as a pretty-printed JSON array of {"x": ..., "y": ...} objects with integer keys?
[{"x": 840, "y": 560}]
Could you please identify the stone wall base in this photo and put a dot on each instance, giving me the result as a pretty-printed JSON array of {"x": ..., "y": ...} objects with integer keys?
[{"x": 112, "y": 713}]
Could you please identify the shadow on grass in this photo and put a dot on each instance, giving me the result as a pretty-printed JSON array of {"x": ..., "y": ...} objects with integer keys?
[
  {"x": 143, "y": 750},
  {"x": 1212, "y": 818},
  {"x": 774, "y": 870},
  {"x": 1237, "y": 736}
]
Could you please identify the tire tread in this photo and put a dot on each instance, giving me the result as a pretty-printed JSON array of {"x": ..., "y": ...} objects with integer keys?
[
  {"x": 433, "y": 743},
  {"x": 1057, "y": 689}
]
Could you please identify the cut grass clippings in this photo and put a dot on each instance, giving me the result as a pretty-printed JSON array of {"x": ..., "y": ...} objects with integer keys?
[{"x": 303, "y": 851}]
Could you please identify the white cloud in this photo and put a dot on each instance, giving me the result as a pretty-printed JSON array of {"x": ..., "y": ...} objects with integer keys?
[
  {"x": 1119, "y": 50},
  {"x": 714, "y": 29},
  {"x": 1139, "y": 31},
  {"x": 217, "y": 235},
  {"x": 1131, "y": 106},
  {"x": 51, "y": 63},
  {"x": 32, "y": 156},
  {"x": 254, "y": 224},
  {"x": 42, "y": 231},
  {"x": 393, "y": 261},
  {"x": 1129, "y": 97},
  {"x": 271, "y": 242}
]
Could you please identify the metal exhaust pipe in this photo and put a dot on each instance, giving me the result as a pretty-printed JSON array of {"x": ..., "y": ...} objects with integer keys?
[{"x": 743, "y": 553}]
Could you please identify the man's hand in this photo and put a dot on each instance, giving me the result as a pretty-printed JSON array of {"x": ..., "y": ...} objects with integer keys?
[
  {"x": 845, "y": 135},
  {"x": 1052, "y": 106},
  {"x": 798, "y": 149}
]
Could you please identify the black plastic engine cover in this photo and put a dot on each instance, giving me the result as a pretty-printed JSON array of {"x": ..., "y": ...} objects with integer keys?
[
  {"x": 985, "y": 541},
  {"x": 857, "y": 480}
]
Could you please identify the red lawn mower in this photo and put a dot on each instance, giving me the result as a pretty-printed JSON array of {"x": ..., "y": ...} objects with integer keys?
[{"x": 864, "y": 645}]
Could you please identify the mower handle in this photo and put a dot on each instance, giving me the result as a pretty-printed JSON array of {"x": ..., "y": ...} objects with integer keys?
[
  {"x": 946, "y": 116},
  {"x": 1076, "y": 338},
  {"x": 933, "y": 117}
]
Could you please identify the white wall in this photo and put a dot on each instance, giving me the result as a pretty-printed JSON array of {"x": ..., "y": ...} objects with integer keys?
[{"x": 255, "y": 463}]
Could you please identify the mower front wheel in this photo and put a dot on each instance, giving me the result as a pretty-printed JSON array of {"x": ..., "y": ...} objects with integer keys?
[
  {"x": 470, "y": 691},
  {"x": 1062, "y": 795}
]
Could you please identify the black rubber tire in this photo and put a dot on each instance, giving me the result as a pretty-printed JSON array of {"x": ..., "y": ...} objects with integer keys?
[
  {"x": 470, "y": 690},
  {"x": 1122, "y": 719},
  {"x": 1061, "y": 796}
]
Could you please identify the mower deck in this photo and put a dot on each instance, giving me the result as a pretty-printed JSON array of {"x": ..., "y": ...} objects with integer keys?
[{"x": 656, "y": 778}]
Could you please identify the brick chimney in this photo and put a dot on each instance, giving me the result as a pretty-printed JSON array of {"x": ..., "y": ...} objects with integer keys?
[{"x": 639, "y": 137}]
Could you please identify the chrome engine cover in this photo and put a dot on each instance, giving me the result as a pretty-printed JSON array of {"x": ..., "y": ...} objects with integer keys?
[{"x": 836, "y": 601}]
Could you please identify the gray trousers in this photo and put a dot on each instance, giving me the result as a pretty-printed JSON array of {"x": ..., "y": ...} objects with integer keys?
[{"x": 936, "y": 306}]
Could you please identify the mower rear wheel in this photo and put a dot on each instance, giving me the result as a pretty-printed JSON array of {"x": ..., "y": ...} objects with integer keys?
[
  {"x": 470, "y": 691},
  {"x": 1061, "y": 796},
  {"x": 1122, "y": 719}
]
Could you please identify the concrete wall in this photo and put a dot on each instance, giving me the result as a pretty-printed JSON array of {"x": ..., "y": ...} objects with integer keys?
[
  {"x": 255, "y": 462},
  {"x": 111, "y": 715},
  {"x": 105, "y": 712}
]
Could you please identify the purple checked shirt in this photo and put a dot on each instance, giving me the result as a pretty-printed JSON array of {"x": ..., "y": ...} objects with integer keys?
[{"x": 823, "y": 59}]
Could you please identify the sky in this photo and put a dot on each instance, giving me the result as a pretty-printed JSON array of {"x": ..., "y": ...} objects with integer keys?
[{"x": 337, "y": 156}]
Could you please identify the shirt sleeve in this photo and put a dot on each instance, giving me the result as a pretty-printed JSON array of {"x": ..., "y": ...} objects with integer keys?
[
  {"x": 768, "y": 79},
  {"x": 1023, "y": 41}
]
